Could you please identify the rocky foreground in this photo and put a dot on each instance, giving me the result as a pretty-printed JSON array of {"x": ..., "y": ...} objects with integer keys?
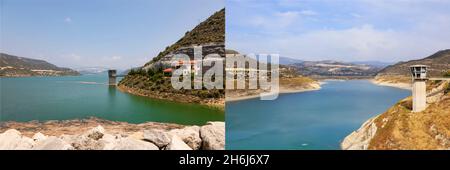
[{"x": 96, "y": 134}]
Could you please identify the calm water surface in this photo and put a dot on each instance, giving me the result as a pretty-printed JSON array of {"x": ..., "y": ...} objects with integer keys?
[
  {"x": 310, "y": 120},
  {"x": 77, "y": 97}
]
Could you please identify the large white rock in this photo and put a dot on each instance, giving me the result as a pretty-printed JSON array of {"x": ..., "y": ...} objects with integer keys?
[
  {"x": 190, "y": 135},
  {"x": 360, "y": 139},
  {"x": 52, "y": 143},
  {"x": 177, "y": 144},
  {"x": 130, "y": 144},
  {"x": 213, "y": 136},
  {"x": 96, "y": 133},
  {"x": 39, "y": 137},
  {"x": 89, "y": 140},
  {"x": 14, "y": 140},
  {"x": 158, "y": 137}
]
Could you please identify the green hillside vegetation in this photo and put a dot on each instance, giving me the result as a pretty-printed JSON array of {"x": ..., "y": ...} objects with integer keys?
[
  {"x": 447, "y": 73},
  {"x": 153, "y": 83},
  {"x": 156, "y": 81}
]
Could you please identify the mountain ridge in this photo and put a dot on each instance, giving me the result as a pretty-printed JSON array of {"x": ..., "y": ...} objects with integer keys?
[
  {"x": 15, "y": 66},
  {"x": 438, "y": 63},
  {"x": 398, "y": 75}
]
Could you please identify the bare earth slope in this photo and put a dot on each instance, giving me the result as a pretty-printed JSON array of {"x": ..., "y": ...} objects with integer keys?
[
  {"x": 399, "y": 74},
  {"x": 399, "y": 128}
]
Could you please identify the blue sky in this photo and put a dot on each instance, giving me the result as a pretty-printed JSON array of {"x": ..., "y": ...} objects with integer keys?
[
  {"x": 109, "y": 33},
  {"x": 344, "y": 30}
]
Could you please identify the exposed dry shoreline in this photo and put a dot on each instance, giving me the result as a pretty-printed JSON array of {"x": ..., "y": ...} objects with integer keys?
[
  {"x": 400, "y": 85},
  {"x": 398, "y": 81},
  {"x": 283, "y": 90},
  {"x": 215, "y": 103}
]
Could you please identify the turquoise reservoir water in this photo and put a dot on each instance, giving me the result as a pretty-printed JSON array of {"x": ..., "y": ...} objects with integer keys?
[
  {"x": 310, "y": 120},
  {"x": 77, "y": 97}
]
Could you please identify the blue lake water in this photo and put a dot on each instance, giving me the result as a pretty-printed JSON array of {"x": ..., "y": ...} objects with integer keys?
[
  {"x": 309, "y": 120},
  {"x": 78, "y": 97}
]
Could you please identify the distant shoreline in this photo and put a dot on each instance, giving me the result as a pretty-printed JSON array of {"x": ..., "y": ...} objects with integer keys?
[
  {"x": 26, "y": 76},
  {"x": 282, "y": 91},
  {"x": 404, "y": 86}
]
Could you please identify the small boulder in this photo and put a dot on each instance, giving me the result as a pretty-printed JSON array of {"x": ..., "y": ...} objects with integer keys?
[
  {"x": 14, "y": 140},
  {"x": 137, "y": 135},
  {"x": 177, "y": 144},
  {"x": 108, "y": 139},
  {"x": 158, "y": 137},
  {"x": 39, "y": 137},
  {"x": 190, "y": 135},
  {"x": 96, "y": 133},
  {"x": 130, "y": 144},
  {"x": 52, "y": 143},
  {"x": 89, "y": 140},
  {"x": 213, "y": 136}
]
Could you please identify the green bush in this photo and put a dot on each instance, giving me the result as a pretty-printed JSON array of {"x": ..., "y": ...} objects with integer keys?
[
  {"x": 447, "y": 89},
  {"x": 150, "y": 72},
  {"x": 447, "y": 74}
]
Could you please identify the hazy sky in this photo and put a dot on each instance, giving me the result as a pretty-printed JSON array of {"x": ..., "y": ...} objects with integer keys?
[
  {"x": 110, "y": 33},
  {"x": 345, "y": 30}
]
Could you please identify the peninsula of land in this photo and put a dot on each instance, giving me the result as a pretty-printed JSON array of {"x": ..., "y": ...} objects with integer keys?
[{"x": 153, "y": 79}]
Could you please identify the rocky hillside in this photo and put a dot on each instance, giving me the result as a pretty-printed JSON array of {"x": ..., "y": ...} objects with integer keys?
[
  {"x": 151, "y": 81},
  {"x": 13, "y": 66},
  {"x": 399, "y": 128},
  {"x": 289, "y": 81},
  {"x": 212, "y": 30},
  {"x": 329, "y": 68},
  {"x": 438, "y": 62},
  {"x": 97, "y": 134}
]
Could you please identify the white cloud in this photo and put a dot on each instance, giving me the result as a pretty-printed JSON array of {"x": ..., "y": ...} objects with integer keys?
[
  {"x": 74, "y": 57},
  {"x": 116, "y": 57},
  {"x": 362, "y": 42},
  {"x": 287, "y": 14},
  {"x": 369, "y": 30},
  {"x": 308, "y": 12},
  {"x": 356, "y": 15},
  {"x": 68, "y": 20},
  {"x": 276, "y": 21},
  {"x": 284, "y": 19}
]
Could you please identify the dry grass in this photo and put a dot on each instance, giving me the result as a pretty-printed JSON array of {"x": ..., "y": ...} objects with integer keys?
[{"x": 399, "y": 128}]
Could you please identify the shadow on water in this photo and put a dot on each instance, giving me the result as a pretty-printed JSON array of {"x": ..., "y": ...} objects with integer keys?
[{"x": 112, "y": 91}]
